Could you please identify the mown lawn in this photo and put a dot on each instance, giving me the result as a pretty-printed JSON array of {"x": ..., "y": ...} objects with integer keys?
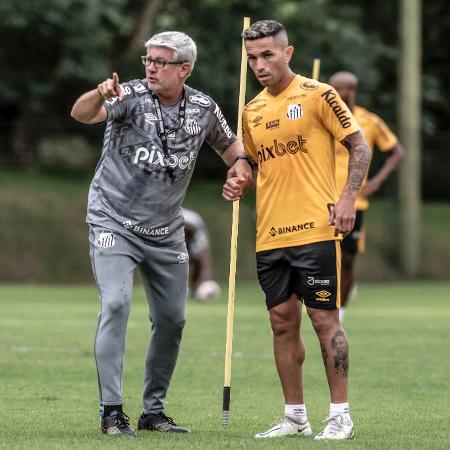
[{"x": 399, "y": 389}]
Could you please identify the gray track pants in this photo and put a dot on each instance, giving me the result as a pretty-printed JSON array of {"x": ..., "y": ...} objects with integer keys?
[{"x": 164, "y": 271}]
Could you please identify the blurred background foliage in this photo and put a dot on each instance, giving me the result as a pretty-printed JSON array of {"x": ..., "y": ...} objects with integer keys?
[{"x": 53, "y": 50}]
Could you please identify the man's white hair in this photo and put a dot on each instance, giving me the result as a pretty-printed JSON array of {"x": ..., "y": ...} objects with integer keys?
[{"x": 184, "y": 48}]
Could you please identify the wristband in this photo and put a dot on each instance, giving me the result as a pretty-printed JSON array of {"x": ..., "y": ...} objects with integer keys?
[{"x": 251, "y": 163}]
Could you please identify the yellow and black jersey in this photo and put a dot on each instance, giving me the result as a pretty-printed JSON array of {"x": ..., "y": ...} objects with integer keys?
[
  {"x": 291, "y": 138},
  {"x": 377, "y": 134}
]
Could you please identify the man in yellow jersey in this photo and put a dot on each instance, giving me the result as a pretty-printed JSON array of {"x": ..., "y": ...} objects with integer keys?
[
  {"x": 376, "y": 133},
  {"x": 289, "y": 133}
]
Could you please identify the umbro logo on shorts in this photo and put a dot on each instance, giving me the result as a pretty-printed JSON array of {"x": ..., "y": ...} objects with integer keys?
[
  {"x": 323, "y": 296},
  {"x": 106, "y": 239},
  {"x": 183, "y": 257}
]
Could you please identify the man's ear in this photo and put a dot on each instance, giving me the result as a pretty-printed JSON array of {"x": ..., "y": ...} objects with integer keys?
[
  {"x": 288, "y": 52},
  {"x": 185, "y": 70}
]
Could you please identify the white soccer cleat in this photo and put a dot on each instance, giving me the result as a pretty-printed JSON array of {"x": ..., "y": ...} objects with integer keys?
[
  {"x": 285, "y": 427},
  {"x": 337, "y": 428}
]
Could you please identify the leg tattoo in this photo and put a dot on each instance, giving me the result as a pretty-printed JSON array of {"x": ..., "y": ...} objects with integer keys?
[
  {"x": 340, "y": 345},
  {"x": 323, "y": 349}
]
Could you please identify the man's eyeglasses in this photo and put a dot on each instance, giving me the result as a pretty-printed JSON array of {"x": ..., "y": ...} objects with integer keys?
[{"x": 158, "y": 63}]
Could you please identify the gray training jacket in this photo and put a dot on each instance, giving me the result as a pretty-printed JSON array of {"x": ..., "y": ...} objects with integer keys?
[{"x": 131, "y": 191}]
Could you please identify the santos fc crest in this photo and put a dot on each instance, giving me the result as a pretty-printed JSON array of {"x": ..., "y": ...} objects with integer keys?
[
  {"x": 294, "y": 111},
  {"x": 192, "y": 127}
]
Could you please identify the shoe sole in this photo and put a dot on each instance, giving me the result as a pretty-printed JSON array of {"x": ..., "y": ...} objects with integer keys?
[
  {"x": 306, "y": 432},
  {"x": 352, "y": 435},
  {"x": 143, "y": 428},
  {"x": 118, "y": 434}
]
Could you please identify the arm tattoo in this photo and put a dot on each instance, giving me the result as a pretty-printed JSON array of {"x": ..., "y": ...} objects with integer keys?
[
  {"x": 358, "y": 161},
  {"x": 340, "y": 345}
]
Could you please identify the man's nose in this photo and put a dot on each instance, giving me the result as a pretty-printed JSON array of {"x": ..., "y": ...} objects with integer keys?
[{"x": 260, "y": 64}]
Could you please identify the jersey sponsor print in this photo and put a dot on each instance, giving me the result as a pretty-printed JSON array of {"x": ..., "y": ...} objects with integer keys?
[{"x": 294, "y": 151}]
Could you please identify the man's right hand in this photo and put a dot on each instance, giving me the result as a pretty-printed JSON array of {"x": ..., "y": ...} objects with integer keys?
[
  {"x": 90, "y": 107},
  {"x": 110, "y": 88}
]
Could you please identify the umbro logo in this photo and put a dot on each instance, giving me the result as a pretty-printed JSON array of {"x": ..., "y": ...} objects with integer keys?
[
  {"x": 149, "y": 117},
  {"x": 323, "y": 296},
  {"x": 182, "y": 258}
]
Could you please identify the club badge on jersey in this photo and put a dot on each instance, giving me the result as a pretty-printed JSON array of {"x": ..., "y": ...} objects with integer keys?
[
  {"x": 192, "y": 127},
  {"x": 294, "y": 111}
]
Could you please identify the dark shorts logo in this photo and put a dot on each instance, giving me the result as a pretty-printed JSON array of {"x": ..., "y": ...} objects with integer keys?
[
  {"x": 323, "y": 296},
  {"x": 314, "y": 281},
  {"x": 342, "y": 115}
]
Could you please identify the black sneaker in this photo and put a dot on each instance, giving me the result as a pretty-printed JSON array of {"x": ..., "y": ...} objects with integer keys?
[
  {"x": 117, "y": 424},
  {"x": 160, "y": 422}
]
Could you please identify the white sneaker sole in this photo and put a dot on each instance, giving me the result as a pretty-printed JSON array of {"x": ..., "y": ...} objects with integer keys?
[
  {"x": 304, "y": 432},
  {"x": 329, "y": 438}
]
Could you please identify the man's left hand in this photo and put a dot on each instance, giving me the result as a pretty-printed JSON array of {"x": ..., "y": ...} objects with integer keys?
[{"x": 343, "y": 215}]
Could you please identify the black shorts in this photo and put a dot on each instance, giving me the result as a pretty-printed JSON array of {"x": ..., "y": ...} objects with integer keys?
[
  {"x": 350, "y": 243},
  {"x": 311, "y": 271}
]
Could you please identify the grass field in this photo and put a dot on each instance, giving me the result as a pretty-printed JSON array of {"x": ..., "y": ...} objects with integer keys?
[{"x": 399, "y": 388}]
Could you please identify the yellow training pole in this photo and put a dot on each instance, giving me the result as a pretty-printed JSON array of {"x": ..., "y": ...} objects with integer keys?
[
  {"x": 316, "y": 68},
  {"x": 233, "y": 249}
]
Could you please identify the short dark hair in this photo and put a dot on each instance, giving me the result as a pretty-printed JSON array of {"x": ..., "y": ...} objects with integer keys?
[{"x": 262, "y": 29}]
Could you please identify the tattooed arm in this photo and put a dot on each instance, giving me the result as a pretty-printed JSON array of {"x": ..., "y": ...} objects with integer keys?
[{"x": 342, "y": 216}]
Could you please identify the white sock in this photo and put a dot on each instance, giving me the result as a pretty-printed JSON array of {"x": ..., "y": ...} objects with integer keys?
[
  {"x": 340, "y": 409},
  {"x": 341, "y": 313},
  {"x": 296, "y": 412}
]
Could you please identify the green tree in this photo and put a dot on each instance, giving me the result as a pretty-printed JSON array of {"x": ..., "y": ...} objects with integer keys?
[{"x": 51, "y": 48}]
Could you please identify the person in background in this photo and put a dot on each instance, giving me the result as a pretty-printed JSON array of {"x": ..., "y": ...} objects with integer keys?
[
  {"x": 377, "y": 134},
  {"x": 202, "y": 285}
]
